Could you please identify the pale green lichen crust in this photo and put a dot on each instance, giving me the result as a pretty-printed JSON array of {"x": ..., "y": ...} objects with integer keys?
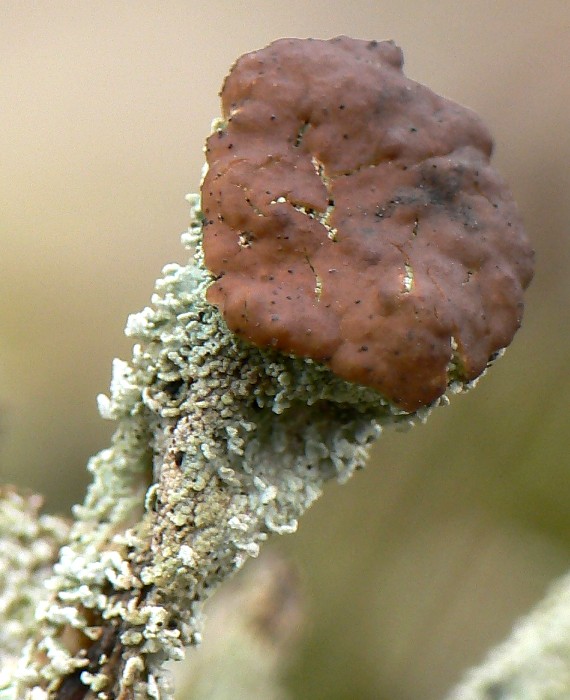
[
  {"x": 533, "y": 662},
  {"x": 230, "y": 444},
  {"x": 29, "y": 543}
]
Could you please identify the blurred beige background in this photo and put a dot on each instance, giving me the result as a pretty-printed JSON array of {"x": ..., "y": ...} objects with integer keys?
[{"x": 425, "y": 559}]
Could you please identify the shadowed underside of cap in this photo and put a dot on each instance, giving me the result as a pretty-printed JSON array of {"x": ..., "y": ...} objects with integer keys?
[{"x": 352, "y": 217}]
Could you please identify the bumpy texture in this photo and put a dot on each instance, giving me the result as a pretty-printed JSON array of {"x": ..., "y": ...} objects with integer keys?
[
  {"x": 29, "y": 543},
  {"x": 352, "y": 217},
  {"x": 233, "y": 443}
]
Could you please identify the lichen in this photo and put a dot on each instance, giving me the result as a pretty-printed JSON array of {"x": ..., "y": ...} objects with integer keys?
[
  {"x": 29, "y": 543},
  {"x": 218, "y": 445},
  {"x": 532, "y": 663},
  {"x": 364, "y": 227}
]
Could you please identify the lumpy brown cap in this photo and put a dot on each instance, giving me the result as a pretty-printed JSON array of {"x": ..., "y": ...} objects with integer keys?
[{"x": 352, "y": 217}]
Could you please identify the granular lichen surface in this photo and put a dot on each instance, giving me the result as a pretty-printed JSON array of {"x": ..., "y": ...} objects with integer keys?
[{"x": 231, "y": 443}]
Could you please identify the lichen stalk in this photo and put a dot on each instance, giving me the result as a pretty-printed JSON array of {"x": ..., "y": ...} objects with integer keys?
[
  {"x": 218, "y": 446},
  {"x": 253, "y": 625}
]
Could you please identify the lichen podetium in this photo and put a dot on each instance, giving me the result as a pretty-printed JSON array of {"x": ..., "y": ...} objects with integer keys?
[{"x": 218, "y": 445}]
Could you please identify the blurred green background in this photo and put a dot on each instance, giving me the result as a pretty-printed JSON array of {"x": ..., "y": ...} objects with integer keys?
[{"x": 425, "y": 559}]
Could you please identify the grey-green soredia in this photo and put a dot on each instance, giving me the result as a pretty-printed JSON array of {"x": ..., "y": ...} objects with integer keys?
[{"x": 230, "y": 444}]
